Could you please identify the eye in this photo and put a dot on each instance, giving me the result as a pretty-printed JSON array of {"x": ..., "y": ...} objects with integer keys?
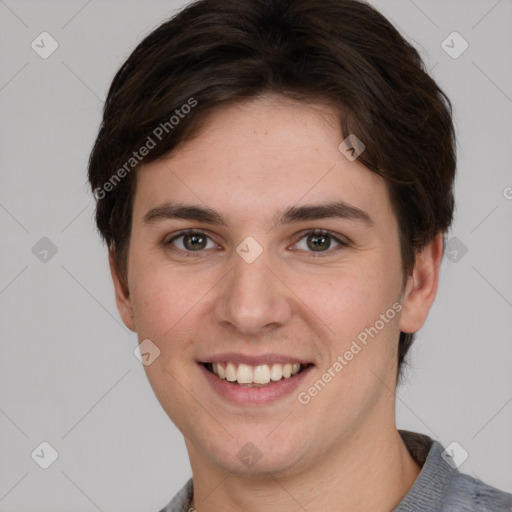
[
  {"x": 313, "y": 241},
  {"x": 319, "y": 241},
  {"x": 190, "y": 241}
]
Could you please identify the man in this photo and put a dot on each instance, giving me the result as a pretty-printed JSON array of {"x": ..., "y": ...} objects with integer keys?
[{"x": 274, "y": 180}]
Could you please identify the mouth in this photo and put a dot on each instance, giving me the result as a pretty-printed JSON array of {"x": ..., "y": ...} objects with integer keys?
[{"x": 261, "y": 375}]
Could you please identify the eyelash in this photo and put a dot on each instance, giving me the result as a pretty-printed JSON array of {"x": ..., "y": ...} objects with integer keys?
[{"x": 190, "y": 254}]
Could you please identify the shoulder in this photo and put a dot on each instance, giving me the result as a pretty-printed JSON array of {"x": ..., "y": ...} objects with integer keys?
[
  {"x": 468, "y": 494},
  {"x": 181, "y": 502},
  {"x": 441, "y": 487}
]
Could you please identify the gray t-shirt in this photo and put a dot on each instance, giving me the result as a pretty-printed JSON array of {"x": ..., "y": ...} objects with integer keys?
[{"x": 438, "y": 488}]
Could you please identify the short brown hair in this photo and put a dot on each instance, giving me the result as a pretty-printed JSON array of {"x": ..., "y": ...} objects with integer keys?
[{"x": 340, "y": 52}]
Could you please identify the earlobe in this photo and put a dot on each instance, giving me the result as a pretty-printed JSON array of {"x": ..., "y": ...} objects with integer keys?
[
  {"x": 421, "y": 288},
  {"x": 122, "y": 295}
]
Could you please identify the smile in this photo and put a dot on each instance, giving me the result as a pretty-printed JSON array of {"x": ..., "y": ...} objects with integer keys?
[{"x": 254, "y": 376}]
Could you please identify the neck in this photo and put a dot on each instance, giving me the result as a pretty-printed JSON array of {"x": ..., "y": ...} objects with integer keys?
[{"x": 371, "y": 472}]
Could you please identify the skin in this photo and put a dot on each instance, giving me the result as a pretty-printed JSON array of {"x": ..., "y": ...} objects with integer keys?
[{"x": 251, "y": 161}]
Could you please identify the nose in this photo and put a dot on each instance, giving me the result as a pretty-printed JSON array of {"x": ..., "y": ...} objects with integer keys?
[{"x": 253, "y": 297}]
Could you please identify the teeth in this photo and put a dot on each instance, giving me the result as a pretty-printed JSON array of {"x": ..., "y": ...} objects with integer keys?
[
  {"x": 230, "y": 371},
  {"x": 244, "y": 374},
  {"x": 261, "y": 374},
  {"x": 276, "y": 372}
]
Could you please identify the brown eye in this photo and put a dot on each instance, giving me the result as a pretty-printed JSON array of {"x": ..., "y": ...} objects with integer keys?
[
  {"x": 190, "y": 242},
  {"x": 194, "y": 242},
  {"x": 319, "y": 242}
]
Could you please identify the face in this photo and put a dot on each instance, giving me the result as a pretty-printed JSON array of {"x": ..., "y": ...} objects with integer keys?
[{"x": 255, "y": 246}]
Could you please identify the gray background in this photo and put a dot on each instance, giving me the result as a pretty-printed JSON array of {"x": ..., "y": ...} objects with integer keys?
[{"x": 67, "y": 372}]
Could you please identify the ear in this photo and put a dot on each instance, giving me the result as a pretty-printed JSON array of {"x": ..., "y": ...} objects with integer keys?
[
  {"x": 123, "y": 301},
  {"x": 421, "y": 288}
]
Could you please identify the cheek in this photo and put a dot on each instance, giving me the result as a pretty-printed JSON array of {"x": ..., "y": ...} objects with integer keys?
[
  {"x": 349, "y": 299},
  {"x": 167, "y": 306},
  {"x": 357, "y": 313},
  {"x": 163, "y": 300}
]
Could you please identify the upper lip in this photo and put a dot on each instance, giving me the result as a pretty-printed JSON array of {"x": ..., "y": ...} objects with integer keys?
[{"x": 254, "y": 360}]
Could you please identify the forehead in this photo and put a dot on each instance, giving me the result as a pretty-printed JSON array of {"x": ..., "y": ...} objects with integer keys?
[{"x": 258, "y": 158}]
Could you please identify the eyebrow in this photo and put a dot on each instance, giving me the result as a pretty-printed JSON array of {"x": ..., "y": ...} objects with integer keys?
[{"x": 336, "y": 209}]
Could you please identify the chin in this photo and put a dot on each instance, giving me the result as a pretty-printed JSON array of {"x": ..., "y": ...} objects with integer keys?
[{"x": 244, "y": 457}]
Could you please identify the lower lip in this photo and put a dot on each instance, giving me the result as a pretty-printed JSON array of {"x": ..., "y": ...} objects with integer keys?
[{"x": 254, "y": 395}]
